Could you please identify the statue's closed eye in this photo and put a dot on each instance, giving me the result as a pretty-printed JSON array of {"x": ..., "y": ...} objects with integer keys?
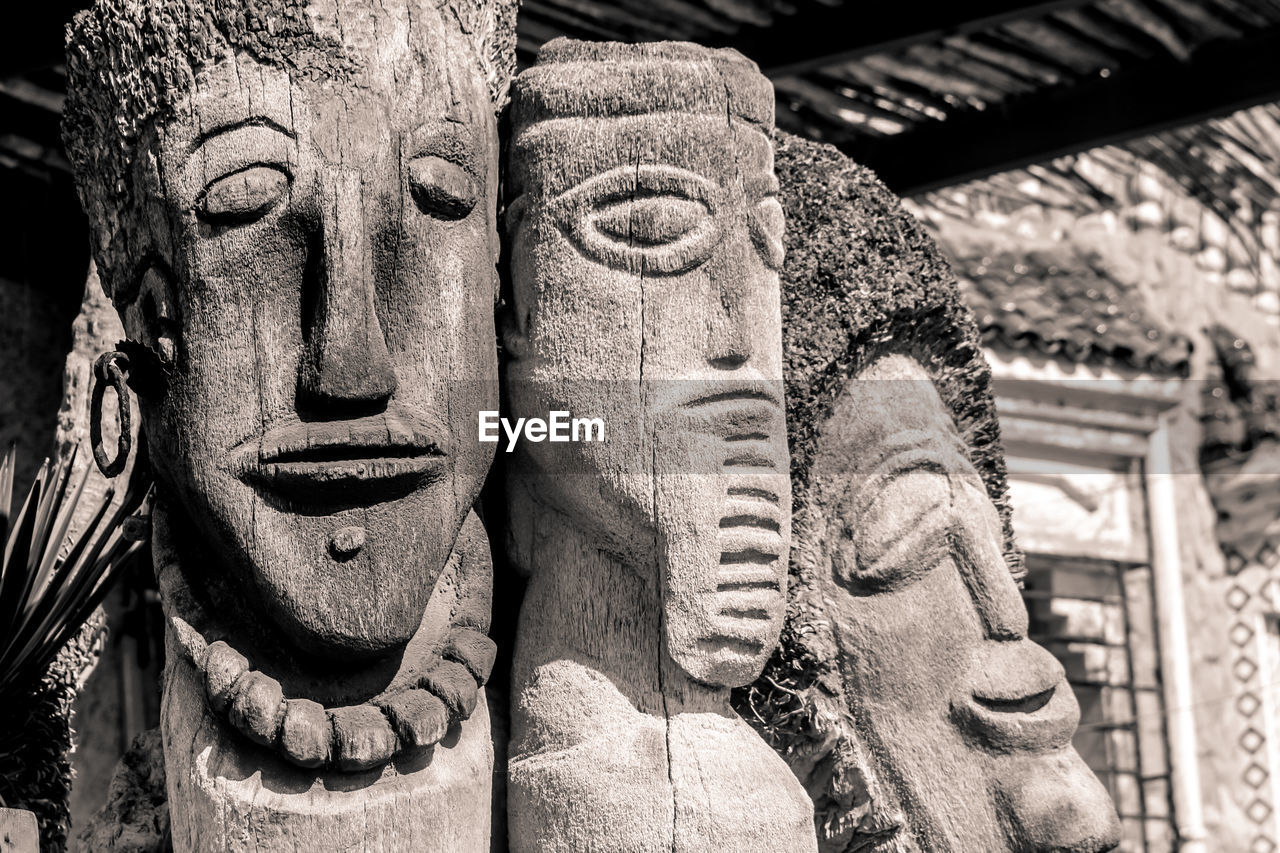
[
  {"x": 651, "y": 219},
  {"x": 442, "y": 189},
  {"x": 243, "y": 196},
  {"x": 890, "y": 531}
]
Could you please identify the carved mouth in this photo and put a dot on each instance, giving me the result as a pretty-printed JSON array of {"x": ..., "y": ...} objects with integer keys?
[
  {"x": 1036, "y": 722},
  {"x": 363, "y": 460},
  {"x": 748, "y": 585},
  {"x": 1024, "y": 705},
  {"x": 747, "y": 415}
]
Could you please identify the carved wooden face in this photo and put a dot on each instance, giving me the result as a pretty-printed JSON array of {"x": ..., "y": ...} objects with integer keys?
[
  {"x": 330, "y": 309},
  {"x": 645, "y": 251},
  {"x": 967, "y": 718}
]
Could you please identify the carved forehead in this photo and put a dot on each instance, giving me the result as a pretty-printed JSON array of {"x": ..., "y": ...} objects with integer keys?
[
  {"x": 396, "y": 84},
  {"x": 607, "y": 79},
  {"x": 587, "y": 107},
  {"x": 890, "y": 408}
]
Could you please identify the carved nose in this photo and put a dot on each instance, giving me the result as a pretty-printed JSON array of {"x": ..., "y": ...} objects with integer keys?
[
  {"x": 346, "y": 364},
  {"x": 996, "y": 594},
  {"x": 976, "y": 544},
  {"x": 993, "y": 589},
  {"x": 729, "y": 344}
]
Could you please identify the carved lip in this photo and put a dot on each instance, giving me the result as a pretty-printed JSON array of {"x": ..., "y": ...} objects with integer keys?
[
  {"x": 747, "y": 415},
  {"x": 717, "y": 393},
  {"x": 1036, "y": 722},
  {"x": 378, "y": 456}
]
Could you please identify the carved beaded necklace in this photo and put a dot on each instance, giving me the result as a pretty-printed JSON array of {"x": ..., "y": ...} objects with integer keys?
[{"x": 305, "y": 733}]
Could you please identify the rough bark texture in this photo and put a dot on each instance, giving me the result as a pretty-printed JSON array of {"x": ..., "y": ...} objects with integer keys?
[
  {"x": 293, "y": 209},
  {"x": 904, "y": 693},
  {"x": 646, "y": 240},
  {"x": 135, "y": 817}
]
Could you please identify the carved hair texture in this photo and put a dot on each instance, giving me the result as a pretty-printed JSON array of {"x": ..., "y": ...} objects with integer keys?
[
  {"x": 130, "y": 62},
  {"x": 861, "y": 279},
  {"x": 582, "y": 79}
]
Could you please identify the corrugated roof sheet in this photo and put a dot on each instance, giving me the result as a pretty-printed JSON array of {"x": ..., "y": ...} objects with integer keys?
[{"x": 1064, "y": 303}]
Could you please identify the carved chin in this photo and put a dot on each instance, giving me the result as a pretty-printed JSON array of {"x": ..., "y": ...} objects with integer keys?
[
  {"x": 1058, "y": 804},
  {"x": 353, "y": 585},
  {"x": 348, "y": 635}
]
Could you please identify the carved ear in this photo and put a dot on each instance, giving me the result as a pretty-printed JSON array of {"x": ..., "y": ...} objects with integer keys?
[
  {"x": 151, "y": 318},
  {"x": 491, "y": 24},
  {"x": 514, "y": 339}
]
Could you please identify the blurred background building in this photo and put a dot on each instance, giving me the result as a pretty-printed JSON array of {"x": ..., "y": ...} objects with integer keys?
[{"x": 1105, "y": 176}]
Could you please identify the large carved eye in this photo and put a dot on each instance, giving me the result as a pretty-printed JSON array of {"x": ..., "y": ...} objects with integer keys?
[
  {"x": 243, "y": 196},
  {"x": 890, "y": 530},
  {"x": 651, "y": 219},
  {"x": 442, "y": 189},
  {"x": 766, "y": 224}
]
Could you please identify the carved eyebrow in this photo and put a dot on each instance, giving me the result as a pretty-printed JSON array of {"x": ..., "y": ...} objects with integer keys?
[
  {"x": 227, "y": 127},
  {"x": 447, "y": 140},
  {"x": 946, "y": 449}
]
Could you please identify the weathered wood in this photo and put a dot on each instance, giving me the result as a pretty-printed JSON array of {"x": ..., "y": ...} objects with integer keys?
[
  {"x": 18, "y": 831},
  {"x": 293, "y": 210},
  {"x": 646, "y": 240}
]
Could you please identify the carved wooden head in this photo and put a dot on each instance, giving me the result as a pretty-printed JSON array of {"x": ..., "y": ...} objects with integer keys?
[
  {"x": 293, "y": 204},
  {"x": 905, "y": 694},
  {"x": 645, "y": 244},
  {"x": 971, "y": 720}
]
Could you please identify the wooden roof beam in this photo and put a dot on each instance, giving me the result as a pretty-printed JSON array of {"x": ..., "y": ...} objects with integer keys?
[
  {"x": 827, "y": 35},
  {"x": 1221, "y": 78}
]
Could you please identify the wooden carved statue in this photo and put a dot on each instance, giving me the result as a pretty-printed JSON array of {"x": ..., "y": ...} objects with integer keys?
[
  {"x": 293, "y": 208},
  {"x": 645, "y": 243},
  {"x": 906, "y": 693}
]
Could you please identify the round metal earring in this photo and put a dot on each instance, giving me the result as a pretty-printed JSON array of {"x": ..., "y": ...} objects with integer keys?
[{"x": 111, "y": 369}]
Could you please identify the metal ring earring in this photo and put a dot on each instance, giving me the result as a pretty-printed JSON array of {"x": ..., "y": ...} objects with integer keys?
[{"x": 111, "y": 369}]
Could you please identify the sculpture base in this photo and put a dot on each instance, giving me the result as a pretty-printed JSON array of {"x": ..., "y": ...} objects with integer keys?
[
  {"x": 225, "y": 794},
  {"x": 605, "y": 776}
]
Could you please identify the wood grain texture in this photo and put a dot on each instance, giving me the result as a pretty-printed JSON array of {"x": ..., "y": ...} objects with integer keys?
[
  {"x": 293, "y": 206},
  {"x": 18, "y": 831},
  {"x": 646, "y": 239}
]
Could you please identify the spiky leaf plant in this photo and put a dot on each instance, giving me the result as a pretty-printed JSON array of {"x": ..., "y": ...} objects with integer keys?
[{"x": 50, "y": 586}]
